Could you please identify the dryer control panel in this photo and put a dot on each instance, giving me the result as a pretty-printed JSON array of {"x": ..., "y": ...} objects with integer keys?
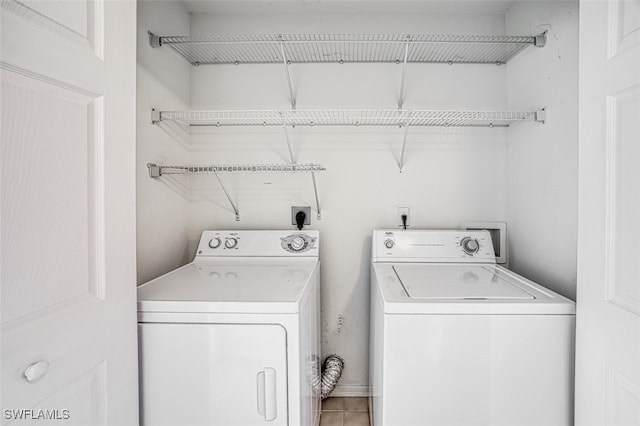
[
  {"x": 435, "y": 246},
  {"x": 242, "y": 243}
]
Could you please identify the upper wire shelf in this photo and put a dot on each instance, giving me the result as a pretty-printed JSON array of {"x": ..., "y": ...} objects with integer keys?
[
  {"x": 348, "y": 117},
  {"x": 157, "y": 170},
  {"x": 342, "y": 48}
]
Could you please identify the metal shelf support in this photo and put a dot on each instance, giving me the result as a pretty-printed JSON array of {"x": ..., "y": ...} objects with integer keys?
[
  {"x": 154, "y": 40},
  {"x": 315, "y": 192},
  {"x": 155, "y": 116},
  {"x": 286, "y": 136},
  {"x": 404, "y": 146},
  {"x": 404, "y": 73},
  {"x": 233, "y": 206},
  {"x": 286, "y": 70},
  {"x": 154, "y": 170}
]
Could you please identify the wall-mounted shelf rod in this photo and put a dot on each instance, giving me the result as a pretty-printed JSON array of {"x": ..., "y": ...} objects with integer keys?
[
  {"x": 156, "y": 171},
  {"x": 343, "y": 48}
]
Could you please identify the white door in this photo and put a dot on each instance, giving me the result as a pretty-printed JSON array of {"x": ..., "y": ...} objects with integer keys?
[
  {"x": 608, "y": 298},
  {"x": 68, "y": 318},
  {"x": 213, "y": 374}
]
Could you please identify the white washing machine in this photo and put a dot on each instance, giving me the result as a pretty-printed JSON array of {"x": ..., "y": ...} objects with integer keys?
[
  {"x": 459, "y": 340},
  {"x": 232, "y": 339}
]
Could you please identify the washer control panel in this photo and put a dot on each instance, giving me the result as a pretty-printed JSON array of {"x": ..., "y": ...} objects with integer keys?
[
  {"x": 258, "y": 243},
  {"x": 433, "y": 246}
]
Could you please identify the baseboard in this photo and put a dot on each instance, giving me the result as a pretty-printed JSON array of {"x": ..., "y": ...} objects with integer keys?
[{"x": 350, "y": 390}]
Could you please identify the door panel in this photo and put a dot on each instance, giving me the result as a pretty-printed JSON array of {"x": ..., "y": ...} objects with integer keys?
[
  {"x": 622, "y": 268},
  {"x": 608, "y": 299},
  {"x": 79, "y": 21},
  {"x": 67, "y": 225},
  {"x": 53, "y": 192}
]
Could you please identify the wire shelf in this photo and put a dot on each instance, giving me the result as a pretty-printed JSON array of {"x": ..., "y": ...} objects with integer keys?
[
  {"x": 156, "y": 170},
  {"x": 347, "y": 117},
  {"x": 342, "y": 48}
]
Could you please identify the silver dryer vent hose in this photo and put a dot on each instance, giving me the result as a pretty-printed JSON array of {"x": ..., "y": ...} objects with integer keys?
[{"x": 331, "y": 372}]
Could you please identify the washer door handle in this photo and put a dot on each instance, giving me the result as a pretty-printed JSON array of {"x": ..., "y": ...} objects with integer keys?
[{"x": 267, "y": 396}]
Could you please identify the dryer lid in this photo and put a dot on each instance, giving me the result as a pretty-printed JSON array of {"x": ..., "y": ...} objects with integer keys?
[{"x": 458, "y": 282}]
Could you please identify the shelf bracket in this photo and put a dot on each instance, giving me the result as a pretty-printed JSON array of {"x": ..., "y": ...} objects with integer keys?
[
  {"x": 155, "y": 116},
  {"x": 286, "y": 136},
  {"x": 404, "y": 73},
  {"x": 541, "y": 116},
  {"x": 154, "y": 40},
  {"x": 154, "y": 170},
  {"x": 404, "y": 144},
  {"x": 315, "y": 191},
  {"x": 286, "y": 70},
  {"x": 540, "y": 40},
  {"x": 233, "y": 206}
]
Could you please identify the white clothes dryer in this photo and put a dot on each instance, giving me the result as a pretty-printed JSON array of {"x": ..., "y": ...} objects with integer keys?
[
  {"x": 459, "y": 340},
  {"x": 232, "y": 338}
]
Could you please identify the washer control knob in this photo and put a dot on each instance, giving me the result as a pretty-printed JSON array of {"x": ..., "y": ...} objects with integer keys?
[
  {"x": 389, "y": 244},
  {"x": 231, "y": 243},
  {"x": 214, "y": 243},
  {"x": 470, "y": 245},
  {"x": 297, "y": 243}
]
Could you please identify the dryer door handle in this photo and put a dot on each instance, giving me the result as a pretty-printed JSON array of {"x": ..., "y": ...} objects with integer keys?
[{"x": 267, "y": 396}]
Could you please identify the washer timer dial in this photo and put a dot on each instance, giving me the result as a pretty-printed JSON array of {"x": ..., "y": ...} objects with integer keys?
[
  {"x": 470, "y": 245},
  {"x": 298, "y": 243}
]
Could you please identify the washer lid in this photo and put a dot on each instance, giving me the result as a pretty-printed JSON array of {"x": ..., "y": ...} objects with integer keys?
[
  {"x": 467, "y": 289},
  {"x": 254, "y": 286},
  {"x": 456, "y": 282}
]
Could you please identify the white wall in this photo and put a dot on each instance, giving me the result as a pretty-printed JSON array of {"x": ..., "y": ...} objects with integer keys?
[
  {"x": 450, "y": 175},
  {"x": 162, "y": 81},
  {"x": 543, "y": 159}
]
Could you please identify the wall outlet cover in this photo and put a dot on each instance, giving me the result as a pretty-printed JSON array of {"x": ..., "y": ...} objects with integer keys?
[{"x": 305, "y": 209}]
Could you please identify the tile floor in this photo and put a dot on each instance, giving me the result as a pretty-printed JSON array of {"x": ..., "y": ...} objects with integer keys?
[{"x": 345, "y": 412}]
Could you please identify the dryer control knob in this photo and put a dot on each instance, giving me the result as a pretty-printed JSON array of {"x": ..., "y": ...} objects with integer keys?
[
  {"x": 214, "y": 243},
  {"x": 297, "y": 243},
  {"x": 231, "y": 243},
  {"x": 389, "y": 244},
  {"x": 470, "y": 245}
]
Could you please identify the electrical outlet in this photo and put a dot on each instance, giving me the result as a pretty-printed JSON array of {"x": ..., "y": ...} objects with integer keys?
[
  {"x": 401, "y": 212},
  {"x": 307, "y": 213}
]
